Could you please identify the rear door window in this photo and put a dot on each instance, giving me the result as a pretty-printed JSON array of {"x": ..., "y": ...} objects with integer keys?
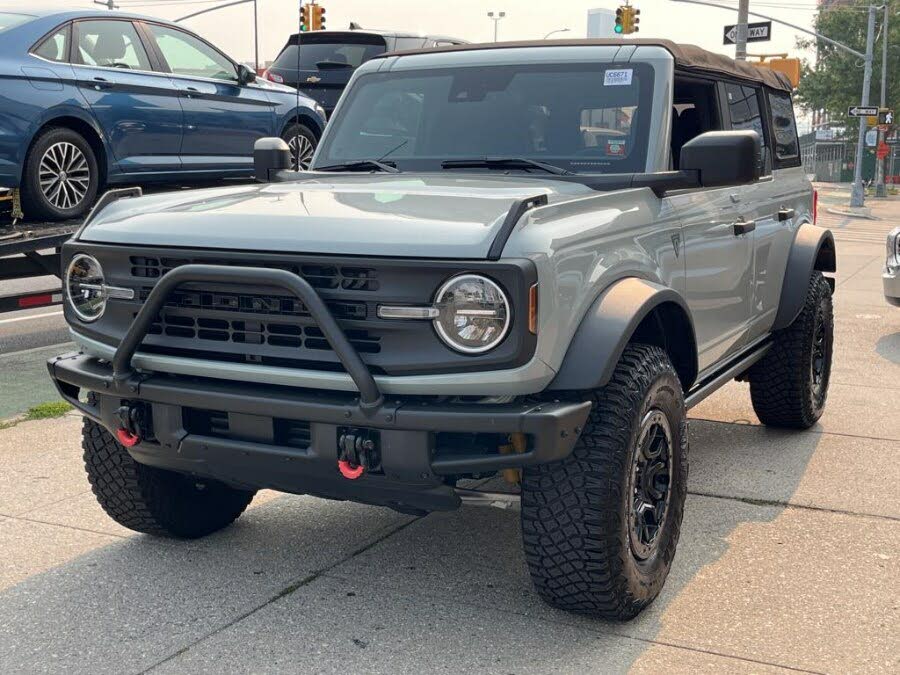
[
  {"x": 784, "y": 129},
  {"x": 55, "y": 47},
  {"x": 746, "y": 113}
]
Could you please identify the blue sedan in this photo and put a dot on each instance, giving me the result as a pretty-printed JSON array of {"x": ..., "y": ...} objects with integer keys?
[{"x": 90, "y": 99}]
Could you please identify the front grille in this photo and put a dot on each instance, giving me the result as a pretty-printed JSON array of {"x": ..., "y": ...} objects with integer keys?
[
  {"x": 342, "y": 277},
  {"x": 270, "y": 333},
  {"x": 255, "y": 303}
]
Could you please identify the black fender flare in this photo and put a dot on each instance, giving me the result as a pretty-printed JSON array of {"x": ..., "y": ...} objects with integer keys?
[
  {"x": 609, "y": 325},
  {"x": 813, "y": 249}
]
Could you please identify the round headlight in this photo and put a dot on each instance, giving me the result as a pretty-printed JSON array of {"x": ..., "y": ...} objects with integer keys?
[
  {"x": 474, "y": 314},
  {"x": 84, "y": 287}
]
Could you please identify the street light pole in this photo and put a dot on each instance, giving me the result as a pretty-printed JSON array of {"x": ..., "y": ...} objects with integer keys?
[
  {"x": 880, "y": 188},
  {"x": 558, "y": 30},
  {"x": 496, "y": 20},
  {"x": 255, "y": 39},
  {"x": 110, "y": 5},
  {"x": 740, "y": 53},
  {"x": 858, "y": 195}
]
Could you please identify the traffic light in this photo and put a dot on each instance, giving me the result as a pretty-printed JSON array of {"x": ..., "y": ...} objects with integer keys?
[
  {"x": 305, "y": 13},
  {"x": 318, "y": 17},
  {"x": 627, "y": 20}
]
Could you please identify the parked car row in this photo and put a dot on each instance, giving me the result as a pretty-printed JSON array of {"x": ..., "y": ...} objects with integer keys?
[{"x": 91, "y": 99}]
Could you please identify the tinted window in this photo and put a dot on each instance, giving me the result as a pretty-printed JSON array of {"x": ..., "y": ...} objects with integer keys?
[
  {"x": 187, "y": 55},
  {"x": 582, "y": 117},
  {"x": 8, "y": 20},
  {"x": 316, "y": 55},
  {"x": 112, "y": 44},
  {"x": 784, "y": 129},
  {"x": 55, "y": 47},
  {"x": 743, "y": 104}
]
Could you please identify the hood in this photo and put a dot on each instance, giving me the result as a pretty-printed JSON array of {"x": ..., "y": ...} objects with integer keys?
[{"x": 440, "y": 216}]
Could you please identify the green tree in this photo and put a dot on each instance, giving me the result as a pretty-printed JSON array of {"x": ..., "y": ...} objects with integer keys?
[{"x": 834, "y": 82}]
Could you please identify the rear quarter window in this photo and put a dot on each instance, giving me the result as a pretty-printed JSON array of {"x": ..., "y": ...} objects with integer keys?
[
  {"x": 784, "y": 130},
  {"x": 54, "y": 47}
]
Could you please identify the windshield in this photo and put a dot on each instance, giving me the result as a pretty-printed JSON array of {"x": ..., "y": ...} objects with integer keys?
[
  {"x": 585, "y": 118},
  {"x": 8, "y": 20},
  {"x": 330, "y": 52}
]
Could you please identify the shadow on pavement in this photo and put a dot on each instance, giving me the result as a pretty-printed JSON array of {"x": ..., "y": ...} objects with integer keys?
[
  {"x": 888, "y": 347},
  {"x": 289, "y": 588}
]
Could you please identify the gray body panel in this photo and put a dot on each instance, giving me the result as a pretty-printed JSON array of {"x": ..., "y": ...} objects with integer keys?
[{"x": 581, "y": 242}]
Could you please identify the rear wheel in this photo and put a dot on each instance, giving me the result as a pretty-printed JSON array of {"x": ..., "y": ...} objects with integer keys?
[
  {"x": 600, "y": 527},
  {"x": 61, "y": 177},
  {"x": 154, "y": 501},
  {"x": 303, "y": 144},
  {"x": 789, "y": 385}
]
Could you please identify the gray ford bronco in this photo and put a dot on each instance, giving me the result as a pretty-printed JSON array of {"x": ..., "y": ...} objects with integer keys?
[{"x": 517, "y": 260}]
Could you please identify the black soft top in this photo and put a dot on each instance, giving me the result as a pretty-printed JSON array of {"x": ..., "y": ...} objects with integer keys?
[{"x": 688, "y": 58}]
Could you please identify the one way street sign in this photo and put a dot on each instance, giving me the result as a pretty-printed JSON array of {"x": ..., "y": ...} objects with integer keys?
[
  {"x": 863, "y": 111},
  {"x": 756, "y": 32}
]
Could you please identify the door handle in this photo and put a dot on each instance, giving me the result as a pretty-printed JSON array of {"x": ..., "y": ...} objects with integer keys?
[
  {"x": 101, "y": 83},
  {"x": 786, "y": 214},
  {"x": 744, "y": 227}
]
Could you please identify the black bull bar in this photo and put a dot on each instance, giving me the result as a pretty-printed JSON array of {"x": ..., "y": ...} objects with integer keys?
[{"x": 408, "y": 424}]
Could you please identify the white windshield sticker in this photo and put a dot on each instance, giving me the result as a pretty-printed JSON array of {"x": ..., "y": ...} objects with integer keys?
[{"x": 618, "y": 78}]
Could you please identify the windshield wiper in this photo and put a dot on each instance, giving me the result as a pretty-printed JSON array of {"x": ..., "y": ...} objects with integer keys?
[
  {"x": 501, "y": 162},
  {"x": 361, "y": 164}
]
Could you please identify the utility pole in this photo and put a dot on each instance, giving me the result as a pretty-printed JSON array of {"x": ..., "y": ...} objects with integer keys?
[
  {"x": 740, "y": 53},
  {"x": 880, "y": 188},
  {"x": 255, "y": 39},
  {"x": 858, "y": 195},
  {"x": 496, "y": 20}
]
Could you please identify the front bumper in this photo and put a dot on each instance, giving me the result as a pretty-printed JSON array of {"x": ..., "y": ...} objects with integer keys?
[
  {"x": 414, "y": 469},
  {"x": 891, "y": 281}
]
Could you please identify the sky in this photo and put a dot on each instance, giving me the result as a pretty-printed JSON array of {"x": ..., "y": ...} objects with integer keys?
[{"x": 232, "y": 28}]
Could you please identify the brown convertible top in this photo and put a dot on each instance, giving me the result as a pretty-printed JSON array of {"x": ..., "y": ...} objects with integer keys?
[{"x": 688, "y": 58}]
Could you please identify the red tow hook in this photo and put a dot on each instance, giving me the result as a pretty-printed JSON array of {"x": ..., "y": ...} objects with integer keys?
[
  {"x": 349, "y": 471},
  {"x": 126, "y": 438}
]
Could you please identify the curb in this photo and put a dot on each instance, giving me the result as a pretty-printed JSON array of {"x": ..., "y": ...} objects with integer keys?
[{"x": 851, "y": 214}]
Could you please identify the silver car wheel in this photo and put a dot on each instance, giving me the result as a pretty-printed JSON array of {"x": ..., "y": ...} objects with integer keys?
[
  {"x": 302, "y": 151},
  {"x": 64, "y": 175}
]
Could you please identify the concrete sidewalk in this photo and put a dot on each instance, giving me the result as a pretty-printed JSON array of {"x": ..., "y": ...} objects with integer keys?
[{"x": 789, "y": 557}]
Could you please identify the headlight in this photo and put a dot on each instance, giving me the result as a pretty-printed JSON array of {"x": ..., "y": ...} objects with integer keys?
[
  {"x": 85, "y": 287},
  {"x": 893, "y": 248},
  {"x": 474, "y": 314}
]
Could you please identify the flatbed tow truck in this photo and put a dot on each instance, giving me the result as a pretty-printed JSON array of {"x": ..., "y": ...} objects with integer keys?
[{"x": 31, "y": 249}]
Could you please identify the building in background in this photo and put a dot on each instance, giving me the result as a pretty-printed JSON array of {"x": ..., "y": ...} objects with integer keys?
[{"x": 601, "y": 23}]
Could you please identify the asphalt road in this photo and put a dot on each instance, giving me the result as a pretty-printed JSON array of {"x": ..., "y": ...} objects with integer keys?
[{"x": 789, "y": 557}]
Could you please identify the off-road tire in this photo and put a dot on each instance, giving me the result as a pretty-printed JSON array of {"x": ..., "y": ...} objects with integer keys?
[
  {"x": 35, "y": 204},
  {"x": 300, "y": 137},
  {"x": 576, "y": 513},
  {"x": 155, "y": 501},
  {"x": 782, "y": 384}
]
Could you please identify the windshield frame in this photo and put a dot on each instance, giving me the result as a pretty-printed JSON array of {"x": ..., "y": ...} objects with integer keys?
[{"x": 647, "y": 94}]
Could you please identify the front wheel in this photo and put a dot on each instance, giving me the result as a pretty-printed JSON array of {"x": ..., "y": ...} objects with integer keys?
[
  {"x": 600, "y": 527},
  {"x": 302, "y": 143},
  {"x": 155, "y": 501}
]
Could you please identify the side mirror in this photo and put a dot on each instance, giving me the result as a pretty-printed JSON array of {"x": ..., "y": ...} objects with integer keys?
[
  {"x": 245, "y": 75},
  {"x": 723, "y": 158},
  {"x": 270, "y": 155}
]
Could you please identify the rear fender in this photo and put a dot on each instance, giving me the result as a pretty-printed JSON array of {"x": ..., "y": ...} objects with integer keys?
[{"x": 813, "y": 249}]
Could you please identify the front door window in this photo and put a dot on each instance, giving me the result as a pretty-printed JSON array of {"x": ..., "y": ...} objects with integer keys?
[{"x": 188, "y": 55}]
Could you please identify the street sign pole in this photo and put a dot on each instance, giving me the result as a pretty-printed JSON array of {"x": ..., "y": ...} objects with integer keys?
[
  {"x": 858, "y": 195},
  {"x": 880, "y": 188},
  {"x": 740, "y": 52}
]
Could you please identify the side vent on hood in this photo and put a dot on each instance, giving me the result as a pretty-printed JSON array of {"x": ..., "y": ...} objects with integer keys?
[{"x": 515, "y": 213}]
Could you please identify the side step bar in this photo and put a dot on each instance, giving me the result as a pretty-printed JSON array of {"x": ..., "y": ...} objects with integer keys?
[{"x": 734, "y": 368}]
